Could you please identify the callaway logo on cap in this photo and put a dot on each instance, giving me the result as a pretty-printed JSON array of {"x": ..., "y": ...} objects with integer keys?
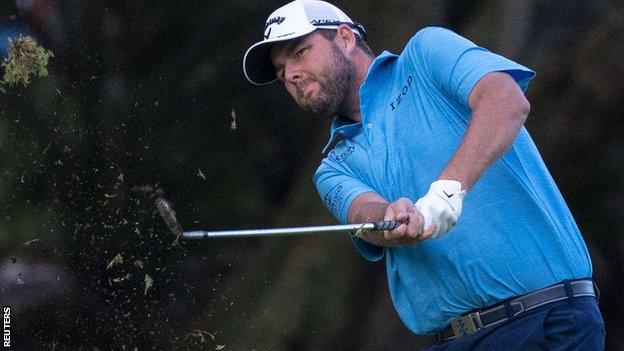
[{"x": 290, "y": 21}]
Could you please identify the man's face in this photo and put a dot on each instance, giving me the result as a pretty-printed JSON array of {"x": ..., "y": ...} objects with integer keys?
[{"x": 316, "y": 74}]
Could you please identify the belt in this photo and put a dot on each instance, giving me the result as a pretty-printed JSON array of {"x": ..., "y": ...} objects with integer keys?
[{"x": 504, "y": 311}]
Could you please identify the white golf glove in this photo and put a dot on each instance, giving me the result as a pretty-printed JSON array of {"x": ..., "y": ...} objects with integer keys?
[{"x": 441, "y": 205}]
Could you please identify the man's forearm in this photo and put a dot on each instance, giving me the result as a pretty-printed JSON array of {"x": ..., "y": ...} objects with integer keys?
[
  {"x": 483, "y": 144},
  {"x": 369, "y": 207}
]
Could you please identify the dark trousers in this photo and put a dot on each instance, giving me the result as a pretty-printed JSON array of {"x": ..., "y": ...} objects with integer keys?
[{"x": 573, "y": 324}]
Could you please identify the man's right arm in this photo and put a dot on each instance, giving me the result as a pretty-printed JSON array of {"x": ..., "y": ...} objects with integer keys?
[
  {"x": 352, "y": 201},
  {"x": 370, "y": 206}
]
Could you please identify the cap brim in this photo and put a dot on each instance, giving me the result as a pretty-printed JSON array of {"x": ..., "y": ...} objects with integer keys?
[{"x": 257, "y": 64}]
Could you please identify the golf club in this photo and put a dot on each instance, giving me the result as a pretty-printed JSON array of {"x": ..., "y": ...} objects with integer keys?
[{"x": 165, "y": 209}]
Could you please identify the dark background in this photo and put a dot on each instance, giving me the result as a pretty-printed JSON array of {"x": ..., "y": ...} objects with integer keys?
[{"x": 141, "y": 94}]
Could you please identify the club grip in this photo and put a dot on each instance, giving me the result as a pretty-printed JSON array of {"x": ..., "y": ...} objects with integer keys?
[{"x": 385, "y": 225}]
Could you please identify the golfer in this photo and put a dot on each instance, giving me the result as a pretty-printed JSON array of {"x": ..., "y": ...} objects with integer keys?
[{"x": 488, "y": 256}]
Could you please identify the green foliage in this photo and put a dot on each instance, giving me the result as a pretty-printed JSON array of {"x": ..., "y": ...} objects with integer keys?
[
  {"x": 26, "y": 58},
  {"x": 149, "y": 281},
  {"x": 117, "y": 260}
]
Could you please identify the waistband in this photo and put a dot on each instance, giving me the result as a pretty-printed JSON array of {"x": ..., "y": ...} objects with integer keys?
[{"x": 504, "y": 311}]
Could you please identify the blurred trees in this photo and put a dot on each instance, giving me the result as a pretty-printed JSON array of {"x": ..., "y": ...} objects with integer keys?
[{"x": 141, "y": 95}]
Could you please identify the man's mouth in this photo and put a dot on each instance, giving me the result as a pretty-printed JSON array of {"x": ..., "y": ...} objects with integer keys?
[{"x": 308, "y": 89}]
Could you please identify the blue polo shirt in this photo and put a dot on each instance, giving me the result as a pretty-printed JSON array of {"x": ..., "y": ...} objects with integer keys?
[{"x": 515, "y": 234}]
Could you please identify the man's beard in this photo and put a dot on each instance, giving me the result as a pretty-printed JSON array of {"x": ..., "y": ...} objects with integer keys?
[{"x": 335, "y": 87}]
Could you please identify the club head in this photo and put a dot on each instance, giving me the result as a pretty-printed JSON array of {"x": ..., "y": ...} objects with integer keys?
[{"x": 165, "y": 209}]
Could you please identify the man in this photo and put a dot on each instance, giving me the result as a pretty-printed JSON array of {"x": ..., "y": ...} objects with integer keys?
[{"x": 444, "y": 119}]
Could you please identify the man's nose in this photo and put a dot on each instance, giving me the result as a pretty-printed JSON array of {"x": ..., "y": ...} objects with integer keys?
[{"x": 292, "y": 72}]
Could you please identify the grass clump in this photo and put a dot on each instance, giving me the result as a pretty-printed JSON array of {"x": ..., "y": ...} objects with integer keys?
[
  {"x": 117, "y": 260},
  {"x": 149, "y": 281},
  {"x": 26, "y": 58}
]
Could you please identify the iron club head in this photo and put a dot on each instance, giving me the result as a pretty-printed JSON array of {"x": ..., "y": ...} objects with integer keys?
[{"x": 165, "y": 209}]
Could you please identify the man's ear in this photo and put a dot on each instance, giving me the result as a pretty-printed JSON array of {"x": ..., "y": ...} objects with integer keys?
[{"x": 345, "y": 39}]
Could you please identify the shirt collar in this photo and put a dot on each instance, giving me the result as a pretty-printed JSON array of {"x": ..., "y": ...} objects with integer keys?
[{"x": 343, "y": 127}]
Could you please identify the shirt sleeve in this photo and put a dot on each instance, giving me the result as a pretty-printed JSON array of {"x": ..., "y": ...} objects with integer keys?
[
  {"x": 338, "y": 189},
  {"x": 456, "y": 64}
]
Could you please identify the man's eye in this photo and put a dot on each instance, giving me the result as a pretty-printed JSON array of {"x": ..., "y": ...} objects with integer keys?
[{"x": 300, "y": 52}]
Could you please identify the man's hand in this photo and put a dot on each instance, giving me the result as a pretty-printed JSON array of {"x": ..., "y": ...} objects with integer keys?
[
  {"x": 442, "y": 205},
  {"x": 411, "y": 230}
]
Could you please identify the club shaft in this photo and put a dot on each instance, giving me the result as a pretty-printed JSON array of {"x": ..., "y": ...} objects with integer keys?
[{"x": 200, "y": 234}]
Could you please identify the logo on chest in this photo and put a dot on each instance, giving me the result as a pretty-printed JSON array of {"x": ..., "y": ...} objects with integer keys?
[
  {"x": 346, "y": 153},
  {"x": 406, "y": 88}
]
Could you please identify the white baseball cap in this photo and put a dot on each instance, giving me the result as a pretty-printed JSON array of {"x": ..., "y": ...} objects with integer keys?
[{"x": 290, "y": 21}]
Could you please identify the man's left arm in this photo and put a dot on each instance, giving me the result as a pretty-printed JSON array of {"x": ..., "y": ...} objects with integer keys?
[{"x": 499, "y": 109}]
